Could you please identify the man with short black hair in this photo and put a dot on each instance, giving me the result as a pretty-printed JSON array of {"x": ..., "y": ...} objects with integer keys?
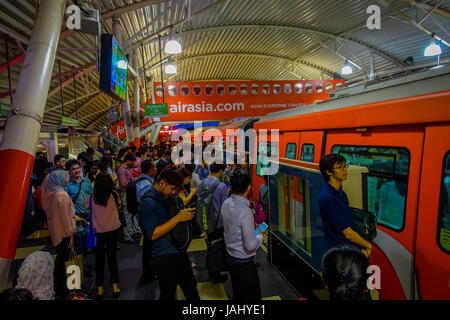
[
  {"x": 171, "y": 265},
  {"x": 334, "y": 206},
  {"x": 59, "y": 163},
  {"x": 240, "y": 239}
]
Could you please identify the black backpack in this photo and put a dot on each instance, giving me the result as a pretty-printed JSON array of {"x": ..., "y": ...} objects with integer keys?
[
  {"x": 181, "y": 235},
  {"x": 132, "y": 203},
  {"x": 205, "y": 210}
]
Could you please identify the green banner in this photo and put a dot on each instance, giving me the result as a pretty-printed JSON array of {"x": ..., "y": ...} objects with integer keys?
[
  {"x": 4, "y": 110},
  {"x": 157, "y": 110},
  {"x": 70, "y": 122}
]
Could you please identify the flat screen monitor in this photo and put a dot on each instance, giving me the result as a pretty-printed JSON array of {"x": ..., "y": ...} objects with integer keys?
[{"x": 113, "y": 69}]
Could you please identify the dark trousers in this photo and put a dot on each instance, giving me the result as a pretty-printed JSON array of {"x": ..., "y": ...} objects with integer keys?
[
  {"x": 106, "y": 240},
  {"x": 244, "y": 279},
  {"x": 59, "y": 274},
  {"x": 173, "y": 270},
  {"x": 147, "y": 270},
  {"x": 216, "y": 234}
]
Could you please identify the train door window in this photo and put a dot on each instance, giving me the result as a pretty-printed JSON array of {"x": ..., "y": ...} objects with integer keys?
[
  {"x": 243, "y": 89},
  {"x": 287, "y": 88},
  {"x": 232, "y": 89},
  {"x": 184, "y": 90},
  {"x": 197, "y": 90},
  {"x": 307, "y": 152},
  {"x": 385, "y": 185},
  {"x": 291, "y": 151},
  {"x": 172, "y": 91},
  {"x": 298, "y": 88},
  {"x": 209, "y": 90},
  {"x": 276, "y": 88},
  {"x": 220, "y": 89},
  {"x": 265, "y": 89},
  {"x": 308, "y": 88},
  {"x": 339, "y": 85},
  {"x": 319, "y": 87},
  {"x": 159, "y": 91},
  {"x": 266, "y": 150},
  {"x": 443, "y": 232},
  {"x": 329, "y": 86},
  {"x": 254, "y": 89}
]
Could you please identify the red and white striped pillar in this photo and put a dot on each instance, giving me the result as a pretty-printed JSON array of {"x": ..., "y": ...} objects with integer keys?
[{"x": 22, "y": 129}]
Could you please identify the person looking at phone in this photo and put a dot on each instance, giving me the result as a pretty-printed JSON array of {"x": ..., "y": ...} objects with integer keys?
[
  {"x": 240, "y": 239},
  {"x": 171, "y": 265}
]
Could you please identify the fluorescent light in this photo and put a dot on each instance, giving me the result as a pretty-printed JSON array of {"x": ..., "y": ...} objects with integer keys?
[
  {"x": 433, "y": 49},
  {"x": 346, "y": 69},
  {"x": 170, "y": 68},
  {"x": 122, "y": 64},
  {"x": 172, "y": 47}
]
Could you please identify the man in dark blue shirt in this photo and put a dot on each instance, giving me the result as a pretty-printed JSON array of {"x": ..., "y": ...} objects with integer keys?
[
  {"x": 334, "y": 206},
  {"x": 171, "y": 265}
]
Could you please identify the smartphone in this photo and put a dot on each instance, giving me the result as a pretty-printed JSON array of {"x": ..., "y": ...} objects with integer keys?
[{"x": 261, "y": 228}]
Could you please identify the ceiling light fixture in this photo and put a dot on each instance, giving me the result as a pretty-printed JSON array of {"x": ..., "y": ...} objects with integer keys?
[
  {"x": 172, "y": 46},
  {"x": 170, "y": 67},
  {"x": 433, "y": 49},
  {"x": 346, "y": 69}
]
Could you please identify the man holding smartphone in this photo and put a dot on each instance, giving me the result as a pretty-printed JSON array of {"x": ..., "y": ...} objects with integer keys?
[{"x": 240, "y": 239}]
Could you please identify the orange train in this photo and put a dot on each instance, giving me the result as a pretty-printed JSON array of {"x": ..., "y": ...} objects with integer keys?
[{"x": 396, "y": 138}]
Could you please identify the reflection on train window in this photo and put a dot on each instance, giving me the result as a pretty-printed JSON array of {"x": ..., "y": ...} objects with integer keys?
[
  {"x": 293, "y": 211},
  {"x": 307, "y": 152},
  {"x": 254, "y": 89},
  {"x": 266, "y": 150},
  {"x": 276, "y": 88},
  {"x": 184, "y": 90},
  {"x": 319, "y": 87},
  {"x": 339, "y": 85},
  {"x": 298, "y": 88},
  {"x": 172, "y": 91},
  {"x": 308, "y": 88},
  {"x": 220, "y": 89},
  {"x": 386, "y": 182},
  {"x": 329, "y": 86},
  {"x": 243, "y": 89},
  {"x": 265, "y": 89},
  {"x": 232, "y": 89},
  {"x": 287, "y": 88},
  {"x": 197, "y": 89},
  {"x": 291, "y": 151},
  {"x": 443, "y": 234},
  {"x": 209, "y": 90},
  {"x": 159, "y": 92}
]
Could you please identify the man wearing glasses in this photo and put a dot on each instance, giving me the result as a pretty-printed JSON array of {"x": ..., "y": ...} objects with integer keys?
[{"x": 334, "y": 206}]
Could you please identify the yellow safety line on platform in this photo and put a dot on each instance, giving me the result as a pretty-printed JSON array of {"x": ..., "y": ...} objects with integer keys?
[
  {"x": 39, "y": 234},
  {"x": 21, "y": 253},
  {"x": 207, "y": 291},
  {"x": 272, "y": 298},
  {"x": 197, "y": 245}
]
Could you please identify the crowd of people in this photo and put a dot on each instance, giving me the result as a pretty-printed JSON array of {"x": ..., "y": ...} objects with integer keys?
[{"x": 142, "y": 193}]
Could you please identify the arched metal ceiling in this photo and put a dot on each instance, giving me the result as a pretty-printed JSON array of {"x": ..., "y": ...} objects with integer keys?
[{"x": 230, "y": 39}]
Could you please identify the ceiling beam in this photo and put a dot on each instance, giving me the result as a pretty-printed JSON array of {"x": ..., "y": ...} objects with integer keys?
[
  {"x": 86, "y": 104},
  {"x": 438, "y": 10}
]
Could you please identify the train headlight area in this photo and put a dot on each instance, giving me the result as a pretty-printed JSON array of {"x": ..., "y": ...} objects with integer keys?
[{"x": 342, "y": 137}]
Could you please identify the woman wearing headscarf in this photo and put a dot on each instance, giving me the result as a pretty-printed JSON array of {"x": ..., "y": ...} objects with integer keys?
[
  {"x": 36, "y": 275},
  {"x": 60, "y": 213}
]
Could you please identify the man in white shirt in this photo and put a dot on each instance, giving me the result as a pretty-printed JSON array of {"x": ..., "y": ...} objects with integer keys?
[{"x": 240, "y": 239}]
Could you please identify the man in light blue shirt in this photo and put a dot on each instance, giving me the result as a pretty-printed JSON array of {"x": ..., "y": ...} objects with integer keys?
[{"x": 240, "y": 239}]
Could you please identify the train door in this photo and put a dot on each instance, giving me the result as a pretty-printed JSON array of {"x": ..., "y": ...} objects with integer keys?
[
  {"x": 432, "y": 259},
  {"x": 393, "y": 156}
]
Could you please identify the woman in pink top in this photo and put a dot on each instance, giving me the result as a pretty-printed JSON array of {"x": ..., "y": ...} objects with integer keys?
[
  {"x": 61, "y": 224},
  {"x": 105, "y": 220}
]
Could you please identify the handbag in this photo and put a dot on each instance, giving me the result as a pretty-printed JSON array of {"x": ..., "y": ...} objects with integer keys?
[
  {"x": 365, "y": 223},
  {"x": 75, "y": 260},
  {"x": 260, "y": 216},
  {"x": 91, "y": 236}
]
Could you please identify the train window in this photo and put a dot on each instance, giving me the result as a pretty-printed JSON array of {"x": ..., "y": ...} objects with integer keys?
[
  {"x": 276, "y": 88},
  {"x": 209, "y": 90},
  {"x": 287, "y": 88},
  {"x": 184, "y": 90},
  {"x": 385, "y": 185},
  {"x": 159, "y": 91},
  {"x": 243, "y": 89},
  {"x": 308, "y": 88},
  {"x": 291, "y": 151},
  {"x": 232, "y": 89},
  {"x": 197, "y": 90},
  {"x": 220, "y": 89},
  {"x": 319, "y": 87},
  {"x": 443, "y": 232},
  {"x": 329, "y": 86},
  {"x": 307, "y": 152},
  {"x": 254, "y": 89},
  {"x": 339, "y": 85},
  {"x": 298, "y": 88},
  {"x": 266, "y": 150},
  {"x": 172, "y": 91},
  {"x": 265, "y": 89}
]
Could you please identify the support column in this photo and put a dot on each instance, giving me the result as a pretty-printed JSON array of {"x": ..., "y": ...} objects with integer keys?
[
  {"x": 137, "y": 129},
  {"x": 125, "y": 105},
  {"x": 22, "y": 129}
]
